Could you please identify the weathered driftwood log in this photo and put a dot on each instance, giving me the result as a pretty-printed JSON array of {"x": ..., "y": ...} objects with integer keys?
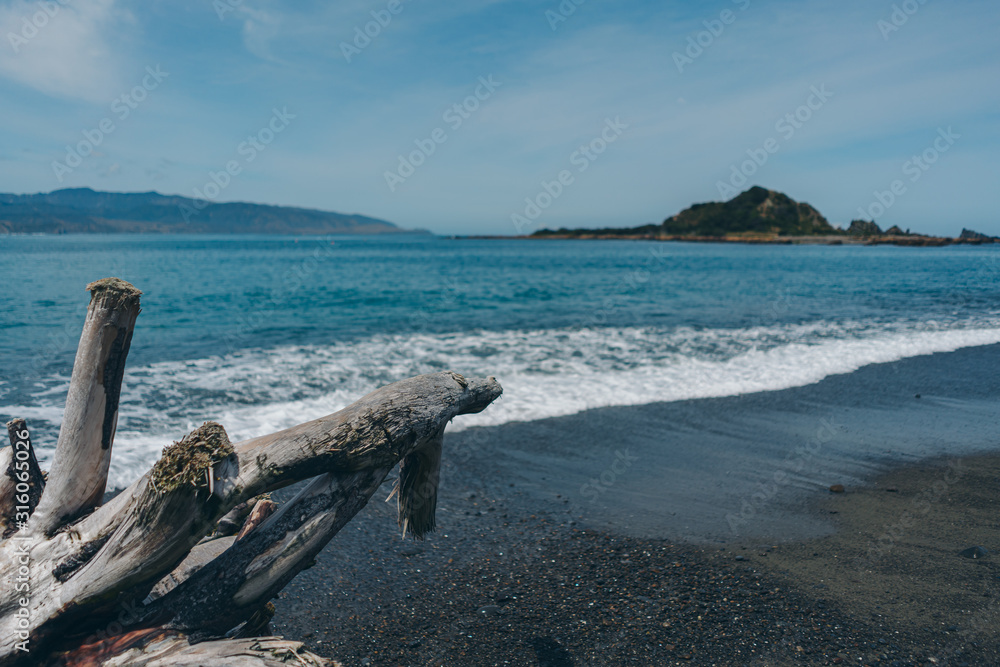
[
  {"x": 83, "y": 453},
  {"x": 21, "y": 480},
  {"x": 144, "y": 578},
  {"x": 162, "y": 648}
]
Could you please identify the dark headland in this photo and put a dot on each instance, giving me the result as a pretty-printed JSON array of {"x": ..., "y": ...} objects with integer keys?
[
  {"x": 86, "y": 211},
  {"x": 760, "y": 215}
]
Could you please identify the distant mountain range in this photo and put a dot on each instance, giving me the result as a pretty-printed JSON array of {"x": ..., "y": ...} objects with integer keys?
[
  {"x": 760, "y": 215},
  {"x": 82, "y": 210}
]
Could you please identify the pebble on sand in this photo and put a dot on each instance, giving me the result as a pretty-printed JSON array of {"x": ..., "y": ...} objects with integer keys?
[{"x": 974, "y": 552}]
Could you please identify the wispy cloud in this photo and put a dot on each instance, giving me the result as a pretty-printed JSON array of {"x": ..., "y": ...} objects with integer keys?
[
  {"x": 64, "y": 50},
  {"x": 260, "y": 28},
  {"x": 686, "y": 129}
]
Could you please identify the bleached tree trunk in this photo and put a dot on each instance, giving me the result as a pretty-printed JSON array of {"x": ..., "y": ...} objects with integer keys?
[
  {"x": 164, "y": 550},
  {"x": 80, "y": 469}
]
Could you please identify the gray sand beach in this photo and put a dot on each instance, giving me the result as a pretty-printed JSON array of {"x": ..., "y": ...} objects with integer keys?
[{"x": 623, "y": 535}]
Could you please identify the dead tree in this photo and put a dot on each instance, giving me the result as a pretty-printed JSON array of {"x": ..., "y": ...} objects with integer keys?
[{"x": 159, "y": 575}]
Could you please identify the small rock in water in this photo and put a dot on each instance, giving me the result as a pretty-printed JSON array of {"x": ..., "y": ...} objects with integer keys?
[
  {"x": 974, "y": 552},
  {"x": 837, "y": 488}
]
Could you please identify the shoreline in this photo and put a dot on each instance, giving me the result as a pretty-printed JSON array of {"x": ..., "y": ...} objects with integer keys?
[
  {"x": 525, "y": 569},
  {"x": 914, "y": 240},
  {"x": 715, "y": 470},
  {"x": 499, "y": 586}
]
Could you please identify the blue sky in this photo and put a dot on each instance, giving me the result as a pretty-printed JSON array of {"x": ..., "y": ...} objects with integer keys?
[{"x": 664, "y": 122}]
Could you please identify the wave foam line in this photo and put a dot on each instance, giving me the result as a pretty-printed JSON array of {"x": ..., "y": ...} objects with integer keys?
[{"x": 545, "y": 373}]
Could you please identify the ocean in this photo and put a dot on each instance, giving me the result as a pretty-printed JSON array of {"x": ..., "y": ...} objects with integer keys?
[{"x": 263, "y": 332}]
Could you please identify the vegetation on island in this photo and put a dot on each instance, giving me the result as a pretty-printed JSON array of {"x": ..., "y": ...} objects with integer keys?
[
  {"x": 757, "y": 210},
  {"x": 760, "y": 215}
]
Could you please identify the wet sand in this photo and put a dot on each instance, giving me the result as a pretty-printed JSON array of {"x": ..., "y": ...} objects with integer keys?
[
  {"x": 711, "y": 471},
  {"x": 530, "y": 565},
  {"x": 895, "y": 557}
]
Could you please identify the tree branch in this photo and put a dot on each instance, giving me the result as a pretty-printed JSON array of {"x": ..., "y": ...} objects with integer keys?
[
  {"x": 121, "y": 550},
  {"x": 159, "y": 648},
  {"x": 73, "y": 568},
  {"x": 21, "y": 479},
  {"x": 253, "y": 570},
  {"x": 83, "y": 453}
]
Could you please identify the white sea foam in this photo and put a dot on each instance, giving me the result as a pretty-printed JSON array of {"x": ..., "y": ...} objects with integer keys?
[{"x": 544, "y": 373}]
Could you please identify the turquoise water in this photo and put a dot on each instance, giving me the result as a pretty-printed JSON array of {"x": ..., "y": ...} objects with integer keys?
[{"x": 261, "y": 332}]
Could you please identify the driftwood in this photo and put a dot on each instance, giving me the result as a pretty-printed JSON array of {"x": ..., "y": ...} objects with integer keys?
[
  {"x": 179, "y": 568},
  {"x": 21, "y": 480},
  {"x": 83, "y": 453}
]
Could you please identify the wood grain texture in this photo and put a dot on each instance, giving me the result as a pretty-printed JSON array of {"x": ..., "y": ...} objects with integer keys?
[
  {"x": 164, "y": 548},
  {"x": 120, "y": 551},
  {"x": 79, "y": 472}
]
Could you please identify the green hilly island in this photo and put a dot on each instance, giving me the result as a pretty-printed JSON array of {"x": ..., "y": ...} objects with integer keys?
[
  {"x": 757, "y": 210},
  {"x": 760, "y": 215}
]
